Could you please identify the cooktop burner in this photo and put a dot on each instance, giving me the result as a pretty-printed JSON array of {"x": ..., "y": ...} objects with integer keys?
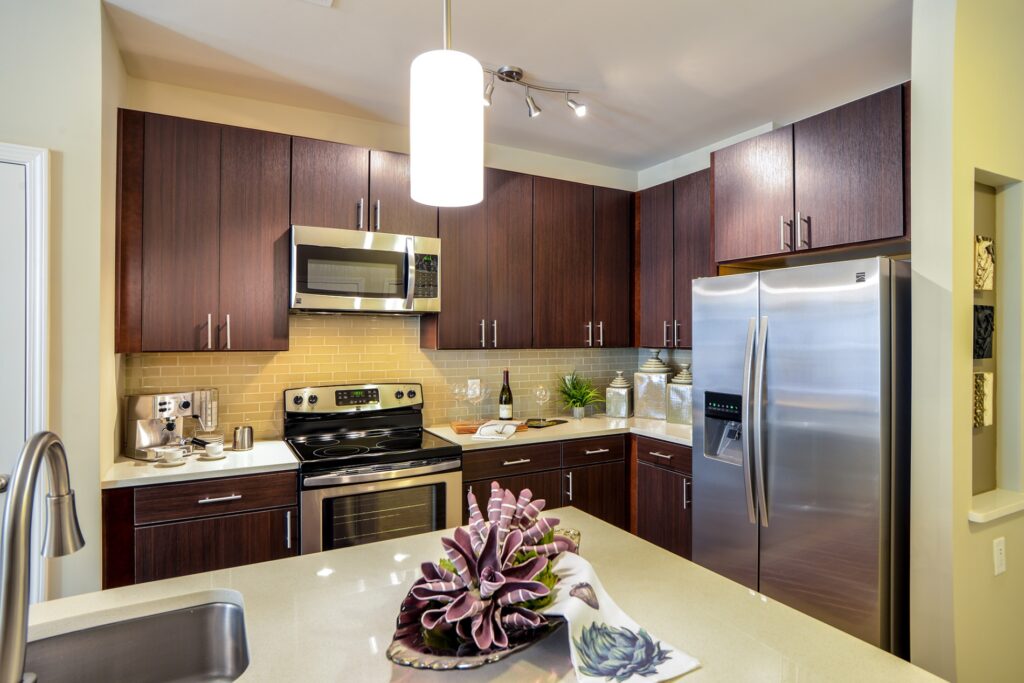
[
  {"x": 339, "y": 451},
  {"x": 399, "y": 444}
]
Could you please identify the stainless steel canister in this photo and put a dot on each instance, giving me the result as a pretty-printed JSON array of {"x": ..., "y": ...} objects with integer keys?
[{"x": 243, "y": 438}]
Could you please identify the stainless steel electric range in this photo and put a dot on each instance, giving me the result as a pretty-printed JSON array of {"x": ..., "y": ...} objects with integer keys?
[{"x": 368, "y": 470}]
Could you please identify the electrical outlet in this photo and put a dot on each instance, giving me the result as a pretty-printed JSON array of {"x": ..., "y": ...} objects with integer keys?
[{"x": 999, "y": 555}]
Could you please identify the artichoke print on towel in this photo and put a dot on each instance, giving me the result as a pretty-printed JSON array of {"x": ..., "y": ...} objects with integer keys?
[{"x": 618, "y": 654}]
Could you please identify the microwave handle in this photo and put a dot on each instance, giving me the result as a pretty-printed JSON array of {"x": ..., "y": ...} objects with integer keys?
[{"x": 410, "y": 291}]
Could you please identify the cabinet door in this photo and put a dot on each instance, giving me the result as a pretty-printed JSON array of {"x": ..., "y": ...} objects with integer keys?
[
  {"x": 613, "y": 264},
  {"x": 563, "y": 262},
  {"x": 509, "y": 285},
  {"x": 693, "y": 258},
  {"x": 753, "y": 196},
  {"x": 163, "y": 551},
  {"x": 663, "y": 508},
  {"x": 392, "y": 208},
  {"x": 600, "y": 490},
  {"x": 461, "y": 323},
  {"x": 849, "y": 172},
  {"x": 330, "y": 184},
  {"x": 546, "y": 485},
  {"x": 656, "y": 308},
  {"x": 180, "y": 245},
  {"x": 254, "y": 232}
]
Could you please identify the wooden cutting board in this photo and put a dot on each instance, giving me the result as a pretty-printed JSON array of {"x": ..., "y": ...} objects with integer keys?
[{"x": 470, "y": 426}]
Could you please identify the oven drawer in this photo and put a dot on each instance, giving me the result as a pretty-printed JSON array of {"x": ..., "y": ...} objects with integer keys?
[
  {"x": 591, "y": 451},
  {"x": 211, "y": 497},
  {"x": 511, "y": 460},
  {"x": 673, "y": 456}
]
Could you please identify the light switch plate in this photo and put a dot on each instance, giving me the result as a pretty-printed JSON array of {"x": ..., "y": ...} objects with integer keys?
[{"x": 999, "y": 555}]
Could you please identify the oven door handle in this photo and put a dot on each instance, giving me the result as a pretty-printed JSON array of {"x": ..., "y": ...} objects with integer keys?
[
  {"x": 410, "y": 247},
  {"x": 339, "y": 478}
]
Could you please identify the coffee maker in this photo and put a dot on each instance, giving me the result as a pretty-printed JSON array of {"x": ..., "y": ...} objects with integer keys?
[{"x": 156, "y": 421}]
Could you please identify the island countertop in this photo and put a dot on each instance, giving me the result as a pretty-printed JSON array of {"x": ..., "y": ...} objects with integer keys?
[
  {"x": 330, "y": 616},
  {"x": 597, "y": 425}
]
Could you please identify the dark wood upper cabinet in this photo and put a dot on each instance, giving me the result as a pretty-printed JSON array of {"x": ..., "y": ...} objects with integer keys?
[
  {"x": 599, "y": 490},
  {"x": 753, "y": 196},
  {"x": 131, "y": 144},
  {"x": 613, "y": 265},
  {"x": 392, "y": 209},
  {"x": 254, "y": 235},
  {"x": 510, "y": 260},
  {"x": 330, "y": 184},
  {"x": 693, "y": 247},
  {"x": 656, "y": 308},
  {"x": 180, "y": 246},
  {"x": 487, "y": 270},
  {"x": 563, "y": 263},
  {"x": 663, "y": 508},
  {"x": 849, "y": 172}
]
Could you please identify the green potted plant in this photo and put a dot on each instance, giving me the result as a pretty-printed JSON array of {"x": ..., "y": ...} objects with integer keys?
[{"x": 578, "y": 393}]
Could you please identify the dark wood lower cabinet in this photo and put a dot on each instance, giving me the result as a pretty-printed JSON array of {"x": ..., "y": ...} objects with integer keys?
[
  {"x": 546, "y": 485},
  {"x": 163, "y": 551},
  {"x": 664, "y": 511},
  {"x": 599, "y": 490}
]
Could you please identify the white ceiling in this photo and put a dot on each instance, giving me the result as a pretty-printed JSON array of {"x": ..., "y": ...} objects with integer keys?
[{"x": 661, "y": 77}]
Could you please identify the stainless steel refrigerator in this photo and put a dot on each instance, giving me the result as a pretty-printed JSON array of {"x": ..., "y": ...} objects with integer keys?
[{"x": 801, "y": 439}]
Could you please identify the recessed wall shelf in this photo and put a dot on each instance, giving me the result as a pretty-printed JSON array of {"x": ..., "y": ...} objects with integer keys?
[{"x": 995, "y": 504}]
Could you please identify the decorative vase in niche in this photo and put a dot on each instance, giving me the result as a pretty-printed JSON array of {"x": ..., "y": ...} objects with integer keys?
[{"x": 579, "y": 412}]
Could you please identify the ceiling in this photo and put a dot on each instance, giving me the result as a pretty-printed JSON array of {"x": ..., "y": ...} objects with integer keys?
[{"x": 660, "y": 77}]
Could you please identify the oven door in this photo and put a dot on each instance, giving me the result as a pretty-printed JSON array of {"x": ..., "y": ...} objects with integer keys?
[
  {"x": 356, "y": 270},
  {"x": 354, "y": 514}
]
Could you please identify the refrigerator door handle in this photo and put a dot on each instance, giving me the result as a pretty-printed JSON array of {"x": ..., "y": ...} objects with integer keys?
[
  {"x": 758, "y": 410},
  {"x": 748, "y": 427}
]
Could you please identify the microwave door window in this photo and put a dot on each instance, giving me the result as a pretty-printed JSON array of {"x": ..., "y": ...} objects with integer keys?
[{"x": 351, "y": 272}]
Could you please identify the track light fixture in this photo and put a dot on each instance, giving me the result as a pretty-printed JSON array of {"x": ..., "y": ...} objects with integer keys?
[{"x": 514, "y": 75}]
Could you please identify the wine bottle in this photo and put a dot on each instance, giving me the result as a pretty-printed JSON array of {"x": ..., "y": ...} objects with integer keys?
[{"x": 505, "y": 400}]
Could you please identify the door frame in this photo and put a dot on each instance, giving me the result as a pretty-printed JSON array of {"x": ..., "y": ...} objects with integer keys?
[{"x": 36, "y": 161}]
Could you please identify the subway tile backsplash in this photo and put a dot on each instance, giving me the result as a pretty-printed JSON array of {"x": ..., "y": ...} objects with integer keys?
[{"x": 343, "y": 349}]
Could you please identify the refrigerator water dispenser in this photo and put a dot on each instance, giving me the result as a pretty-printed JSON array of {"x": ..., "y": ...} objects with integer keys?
[{"x": 723, "y": 427}]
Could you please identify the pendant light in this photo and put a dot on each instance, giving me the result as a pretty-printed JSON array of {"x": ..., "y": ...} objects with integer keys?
[{"x": 446, "y": 126}]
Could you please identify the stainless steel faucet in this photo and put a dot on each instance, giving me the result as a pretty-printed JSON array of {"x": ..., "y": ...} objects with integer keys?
[{"x": 63, "y": 537}]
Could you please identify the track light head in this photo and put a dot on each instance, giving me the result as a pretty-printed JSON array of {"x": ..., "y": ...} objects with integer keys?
[
  {"x": 531, "y": 106},
  {"x": 579, "y": 109}
]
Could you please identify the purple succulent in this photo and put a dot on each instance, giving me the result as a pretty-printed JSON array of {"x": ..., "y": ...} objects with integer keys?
[{"x": 482, "y": 600}]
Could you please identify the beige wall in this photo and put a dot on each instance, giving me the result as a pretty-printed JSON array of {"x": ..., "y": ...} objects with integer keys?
[{"x": 355, "y": 349}]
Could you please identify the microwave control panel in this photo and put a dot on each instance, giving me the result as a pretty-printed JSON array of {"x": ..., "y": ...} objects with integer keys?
[{"x": 426, "y": 276}]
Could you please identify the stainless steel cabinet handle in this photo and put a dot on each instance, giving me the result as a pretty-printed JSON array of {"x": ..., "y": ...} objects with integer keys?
[
  {"x": 800, "y": 241},
  {"x": 222, "y": 499},
  {"x": 569, "y": 492},
  {"x": 686, "y": 490},
  {"x": 520, "y": 461},
  {"x": 664, "y": 326},
  {"x": 590, "y": 333},
  {"x": 758, "y": 410},
  {"x": 600, "y": 333},
  {"x": 596, "y": 451},
  {"x": 359, "y": 218},
  {"x": 656, "y": 454},
  {"x": 746, "y": 418},
  {"x": 228, "y": 317},
  {"x": 675, "y": 333},
  {"x": 209, "y": 331},
  {"x": 288, "y": 529},
  {"x": 495, "y": 325},
  {"x": 783, "y": 244},
  {"x": 483, "y": 334},
  {"x": 376, "y": 217}
]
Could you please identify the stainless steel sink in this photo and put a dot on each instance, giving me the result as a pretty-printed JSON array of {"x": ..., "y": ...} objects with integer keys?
[{"x": 202, "y": 643}]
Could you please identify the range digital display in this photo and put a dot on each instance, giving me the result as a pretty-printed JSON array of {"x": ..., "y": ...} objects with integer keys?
[{"x": 356, "y": 397}]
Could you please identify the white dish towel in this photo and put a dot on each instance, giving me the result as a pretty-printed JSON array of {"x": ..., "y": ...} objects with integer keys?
[
  {"x": 496, "y": 430},
  {"x": 605, "y": 643}
]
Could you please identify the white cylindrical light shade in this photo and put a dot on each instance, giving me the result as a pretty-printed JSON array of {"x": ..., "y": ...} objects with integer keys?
[{"x": 446, "y": 129}]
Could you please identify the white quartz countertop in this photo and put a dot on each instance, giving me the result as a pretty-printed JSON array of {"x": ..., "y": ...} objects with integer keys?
[
  {"x": 330, "y": 616},
  {"x": 598, "y": 425},
  {"x": 265, "y": 456}
]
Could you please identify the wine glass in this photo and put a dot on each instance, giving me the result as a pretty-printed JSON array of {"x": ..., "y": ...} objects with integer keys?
[
  {"x": 542, "y": 395},
  {"x": 458, "y": 392}
]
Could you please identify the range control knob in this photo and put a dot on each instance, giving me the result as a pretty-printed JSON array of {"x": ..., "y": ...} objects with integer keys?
[
  {"x": 297, "y": 400},
  {"x": 412, "y": 393},
  {"x": 399, "y": 394},
  {"x": 313, "y": 399},
  {"x": 185, "y": 405}
]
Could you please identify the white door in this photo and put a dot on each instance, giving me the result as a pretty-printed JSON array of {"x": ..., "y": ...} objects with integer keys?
[{"x": 13, "y": 390}]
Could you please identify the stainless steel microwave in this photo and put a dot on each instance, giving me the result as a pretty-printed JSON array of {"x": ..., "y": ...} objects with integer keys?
[{"x": 357, "y": 271}]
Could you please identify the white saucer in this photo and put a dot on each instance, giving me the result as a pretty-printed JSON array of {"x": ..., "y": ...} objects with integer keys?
[
  {"x": 208, "y": 458},
  {"x": 176, "y": 463}
]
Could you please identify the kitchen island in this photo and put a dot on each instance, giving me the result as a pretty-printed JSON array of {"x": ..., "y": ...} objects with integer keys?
[{"x": 330, "y": 616}]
